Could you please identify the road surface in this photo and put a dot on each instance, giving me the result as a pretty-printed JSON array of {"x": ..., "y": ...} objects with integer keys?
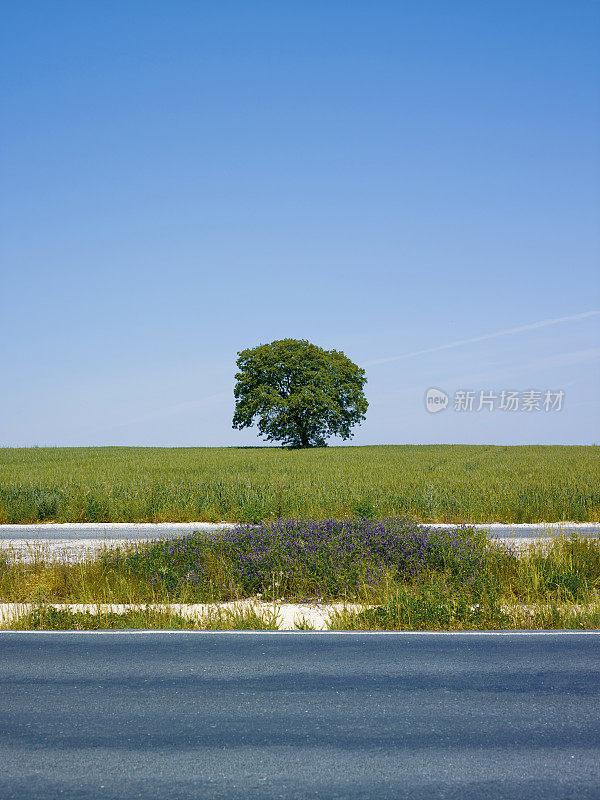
[{"x": 256, "y": 716}]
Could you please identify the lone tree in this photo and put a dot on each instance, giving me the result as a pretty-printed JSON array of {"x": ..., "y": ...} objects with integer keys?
[{"x": 300, "y": 393}]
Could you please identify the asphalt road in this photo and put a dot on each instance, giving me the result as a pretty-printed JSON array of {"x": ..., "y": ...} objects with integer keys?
[
  {"x": 139, "y": 531},
  {"x": 179, "y": 715},
  {"x": 93, "y": 531}
]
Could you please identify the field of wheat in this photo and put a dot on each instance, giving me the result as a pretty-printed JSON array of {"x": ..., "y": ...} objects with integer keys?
[{"x": 433, "y": 483}]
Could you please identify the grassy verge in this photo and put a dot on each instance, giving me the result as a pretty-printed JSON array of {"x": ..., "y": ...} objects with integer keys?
[
  {"x": 436, "y": 606},
  {"x": 402, "y": 576},
  {"x": 46, "y": 617},
  {"x": 430, "y": 483}
]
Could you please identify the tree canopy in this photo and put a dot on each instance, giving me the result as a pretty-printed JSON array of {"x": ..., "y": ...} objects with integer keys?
[{"x": 299, "y": 393}]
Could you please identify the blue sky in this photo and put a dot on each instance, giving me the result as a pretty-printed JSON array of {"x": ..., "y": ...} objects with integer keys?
[{"x": 182, "y": 180}]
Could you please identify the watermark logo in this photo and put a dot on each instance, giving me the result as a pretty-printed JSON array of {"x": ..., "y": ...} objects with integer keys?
[
  {"x": 508, "y": 401},
  {"x": 436, "y": 400}
]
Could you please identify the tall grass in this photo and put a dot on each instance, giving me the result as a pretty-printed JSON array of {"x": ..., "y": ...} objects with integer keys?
[
  {"x": 567, "y": 568},
  {"x": 443, "y": 483},
  {"x": 437, "y": 607},
  {"x": 47, "y": 617}
]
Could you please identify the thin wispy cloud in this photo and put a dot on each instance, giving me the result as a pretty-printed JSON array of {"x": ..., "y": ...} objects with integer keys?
[
  {"x": 511, "y": 372},
  {"x": 508, "y": 332}
]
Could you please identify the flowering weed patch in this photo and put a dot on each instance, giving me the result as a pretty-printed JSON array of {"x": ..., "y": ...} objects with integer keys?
[{"x": 302, "y": 560}]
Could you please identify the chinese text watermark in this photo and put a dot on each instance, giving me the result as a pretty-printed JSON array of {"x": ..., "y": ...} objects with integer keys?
[{"x": 463, "y": 400}]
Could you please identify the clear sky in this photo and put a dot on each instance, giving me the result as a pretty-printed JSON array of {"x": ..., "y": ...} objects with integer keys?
[{"x": 182, "y": 180}]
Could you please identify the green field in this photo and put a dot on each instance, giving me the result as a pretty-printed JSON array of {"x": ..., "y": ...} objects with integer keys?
[{"x": 432, "y": 483}]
